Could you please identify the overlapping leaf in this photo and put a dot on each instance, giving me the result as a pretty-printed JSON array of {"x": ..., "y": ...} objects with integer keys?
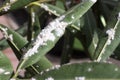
[
  {"x": 75, "y": 12},
  {"x": 83, "y": 71},
  {"x": 110, "y": 37}
]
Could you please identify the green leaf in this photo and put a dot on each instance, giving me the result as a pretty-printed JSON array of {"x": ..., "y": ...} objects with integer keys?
[
  {"x": 17, "y": 42},
  {"x": 105, "y": 49},
  {"x": 33, "y": 25},
  {"x": 13, "y": 5},
  {"x": 89, "y": 29},
  {"x": 5, "y": 67},
  {"x": 83, "y": 71},
  {"x": 57, "y": 12},
  {"x": 41, "y": 48},
  {"x": 67, "y": 47},
  {"x": 50, "y": 8},
  {"x": 4, "y": 45},
  {"x": 110, "y": 37}
]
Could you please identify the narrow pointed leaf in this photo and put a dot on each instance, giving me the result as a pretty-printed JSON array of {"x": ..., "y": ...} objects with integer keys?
[
  {"x": 47, "y": 38},
  {"x": 4, "y": 45},
  {"x": 90, "y": 30},
  {"x": 57, "y": 12},
  {"x": 83, "y": 71},
  {"x": 67, "y": 47},
  {"x": 110, "y": 37},
  {"x": 33, "y": 26},
  {"x": 17, "y": 42}
]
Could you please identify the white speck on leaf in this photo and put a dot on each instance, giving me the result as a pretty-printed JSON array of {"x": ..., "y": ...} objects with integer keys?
[
  {"x": 6, "y": 7},
  {"x": 93, "y": 0},
  {"x": 79, "y": 78},
  {"x": 33, "y": 79},
  {"x": 56, "y": 67},
  {"x": 44, "y": 6},
  {"x": 72, "y": 17},
  {"x": 47, "y": 70},
  {"x": 111, "y": 34},
  {"x": 4, "y": 30},
  {"x": 12, "y": 1},
  {"x": 1, "y": 70},
  {"x": 41, "y": 72},
  {"x": 49, "y": 33},
  {"x": 37, "y": 66},
  {"x": 11, "y": 37},
  {"x": 7, "y": 73},
  {"x": 89, "y": 69},
  {"x": 33, "y": 17},
  {"x": 116, "y": 69},
  {"x": 79, "y": 24},
  {"x": 100, "y": 57},
  {"x": 49, "y": 78}
]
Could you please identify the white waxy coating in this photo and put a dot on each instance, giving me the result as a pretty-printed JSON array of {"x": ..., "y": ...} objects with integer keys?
[
  {"x": 93, "y": 0},
  {"x": 12, "y": 1},
  {"x": 7, "y": 73},
  {"x": 44, "y": 6},
  {"x": 119, "y": 16},
  {"x": 33, "y": 79},
  {"x": 6, "y": 7},
  {"x": 79, "y": 78},
  {"x": 33, "y": 17},
  {"x": 10, "y": 37},
  {"x": 111, "y": 34},
  {"x": 57, "y": 26},
  {"x": 1, "y": 70},
  {"x": 49, "y": 78},
  {"x": 89, "y": 69},
  {"x": 72, "y": 17}
]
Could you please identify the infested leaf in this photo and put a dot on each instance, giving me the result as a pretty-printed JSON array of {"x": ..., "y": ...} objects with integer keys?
[
  {"x": 32, "y": 55},
  {"x": 110, "y": 38},
  {"x": 83, "y": 71}
]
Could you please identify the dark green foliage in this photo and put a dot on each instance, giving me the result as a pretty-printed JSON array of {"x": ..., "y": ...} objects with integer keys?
[
  {"x": 88, "y": 71},
  {"x": 86, "y": 26}
]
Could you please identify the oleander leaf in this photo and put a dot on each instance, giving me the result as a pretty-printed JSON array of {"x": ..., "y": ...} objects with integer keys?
[
  {"x": 41, "y": 48},
  {"x": 15, "y": 40},
  {"x": 110, "y": 38},
  {"x": 90, "y": 31},
  {"x": 17, "y": 43},
  {"x": 83, "y": 71},
  {"x": 33, "y": 25},
  {"x": 4, "y": 45}
]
